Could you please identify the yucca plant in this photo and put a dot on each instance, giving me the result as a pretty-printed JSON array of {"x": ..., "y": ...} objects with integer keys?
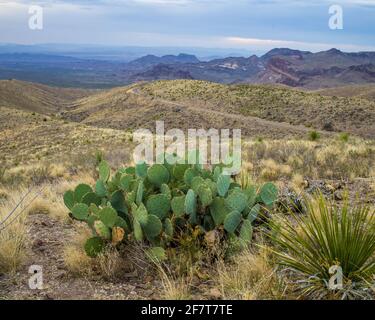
[{"x": 329, "y": 236}]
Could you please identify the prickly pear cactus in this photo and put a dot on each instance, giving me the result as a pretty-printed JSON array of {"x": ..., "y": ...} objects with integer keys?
[{"x": 154, "y": 204}]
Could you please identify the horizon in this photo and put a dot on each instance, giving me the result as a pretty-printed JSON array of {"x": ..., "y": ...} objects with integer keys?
[{"x": 55, "y": 49}]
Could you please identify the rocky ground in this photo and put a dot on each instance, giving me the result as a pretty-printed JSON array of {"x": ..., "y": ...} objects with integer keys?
[{"x": 47, "y": 238}]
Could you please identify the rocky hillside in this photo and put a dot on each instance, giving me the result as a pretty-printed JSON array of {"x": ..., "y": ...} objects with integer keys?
[{"x": 257, "y": 109}]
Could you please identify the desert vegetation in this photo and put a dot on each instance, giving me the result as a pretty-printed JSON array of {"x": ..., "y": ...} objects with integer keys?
[{"x": 103, "y": 227}]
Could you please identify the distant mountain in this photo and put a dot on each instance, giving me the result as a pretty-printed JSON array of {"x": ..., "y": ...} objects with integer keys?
[
  {"x": 285, "y": 52},
  {"x": 284, "y": 66},
  {"x": 317, "y": 70},
  {"x": 161, "y": 72},
  {"x": 279, "y": 66},
  {"x": 152, "y": 60}
]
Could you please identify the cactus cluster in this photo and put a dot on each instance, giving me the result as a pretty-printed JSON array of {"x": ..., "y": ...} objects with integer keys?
[{"x": 152, "y": 203}]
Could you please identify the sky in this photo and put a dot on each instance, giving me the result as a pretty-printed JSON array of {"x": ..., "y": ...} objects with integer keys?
[{"x": 254, "y": 25}]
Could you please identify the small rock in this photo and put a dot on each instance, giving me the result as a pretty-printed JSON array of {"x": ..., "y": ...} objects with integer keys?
[
  {"x": 148, "y": 293},
  {"x": 306, "y": 184},
  {"x": 38, "y": 243},
  {"x": 210, "y": 238},
  {"x": 131, "y": 274},
  {"x": 338, "y": 195},
  {"x": 142, "y": 286},
  {"x": 215, "y": 293},
  {"x": 338, "y": 185},
  {"x": 48, "y": 297},
  {"x": 61, "y": 274},
  {"x": 131, "y": 287},
  {"x": 330, "y": 188}
]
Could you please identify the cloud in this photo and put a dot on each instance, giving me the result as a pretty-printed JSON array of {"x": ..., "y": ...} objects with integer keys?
[
  {"x": 250, "y": 24},
  {"x": 312, "y": 46}
]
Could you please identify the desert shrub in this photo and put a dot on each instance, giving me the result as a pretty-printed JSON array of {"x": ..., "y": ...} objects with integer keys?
[
  {"x": 314, "y": 135},
  {"x": 344, "y": 137},
  {"x": 159, "y": 205},
  {"x": 328, "y": 236}
]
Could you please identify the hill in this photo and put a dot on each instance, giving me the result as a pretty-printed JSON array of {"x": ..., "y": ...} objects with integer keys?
[
  {"x": 364, "y": 91},
  {"x": 36, "y": 97},
  {"x": 259, "y": 110},
  {"x": 278, "y": 104}
]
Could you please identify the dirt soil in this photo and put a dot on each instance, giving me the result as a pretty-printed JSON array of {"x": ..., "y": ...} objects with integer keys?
[{"x": 47, "y": 238}]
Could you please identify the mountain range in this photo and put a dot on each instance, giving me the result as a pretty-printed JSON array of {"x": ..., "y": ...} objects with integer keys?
[
  {"x": 283, "y": 66},
  {"x": 279, "y": 66}
]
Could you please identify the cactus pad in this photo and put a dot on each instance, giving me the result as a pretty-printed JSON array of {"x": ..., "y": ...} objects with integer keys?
[
  {"x": 102, "y": 230},
  {"x": 69, "y": 199},
  {"x": 94, "y": 246},
  {"x": 108, "y": 216},
  {"x": 268, "y": 194},
  {"x": 232, "y": 221},
  {"x": 191, "y": 203},
  {"x": 80, "y": 191},
  {"x": 80, "y": 211},
  {"x": 104, "y": 171},
  {"x": 158, "y": 174},
  {"x": 223, "y": 183},
  {"x": 218, "y": 211},
  {"x": 158, "y": 205},
  {"x": 236, "y": 200},
  {"x": 178, "y": 206},
  {"x": 153, "y": 227}
]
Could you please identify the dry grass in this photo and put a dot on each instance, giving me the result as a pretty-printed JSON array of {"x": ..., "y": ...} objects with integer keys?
[
  {"x": 13, "y": 232},
  {"x": 272, "y": 171},
  {"x": 77, "y": 261},
  {"x": 250, "y": 276},
  {"x": 174, "y": 288},
  {"x": 4, "y": 194},
  {"x": 75, "y": 258},
  {"x": 298, "y": 182},
  {"x": 328, "y": 159},
  {"x": 39, "y": 206},
  {"x": 51, "y": 146},
  {"x": 108, "y": 265}
]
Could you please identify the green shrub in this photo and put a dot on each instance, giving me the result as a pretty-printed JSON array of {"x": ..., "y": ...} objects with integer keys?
[
  {"x": 344, "y": 137},
  {"x": 329, "y": 236},
  {"x": 314, "y": 135},
  {"x": 156, "y": 204}
]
